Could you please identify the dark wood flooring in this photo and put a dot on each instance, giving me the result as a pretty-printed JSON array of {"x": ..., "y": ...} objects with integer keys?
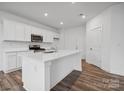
[
  {"x": 91, "y": 78},
  {"x": 11, "y": 81}
]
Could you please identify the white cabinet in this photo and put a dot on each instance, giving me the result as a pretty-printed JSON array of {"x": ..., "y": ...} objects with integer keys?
[
  {"x": 48, "y": 37},
  {"x": 19, "y": 61},
  {"x": 8, "y": 30},
  {"x": 27, "y": 33},
  {"x": 44, "y": 37},
  {"x": 56, "y": 35},
  {"x": 16, "y": 31},
  {"x": 11, "y": 61},
  {"x": 19, "y": 30},
  {"x": 33, "y": 30},
  {"x": 36, "y": 31},
  {"x": 13, "y": 31}
]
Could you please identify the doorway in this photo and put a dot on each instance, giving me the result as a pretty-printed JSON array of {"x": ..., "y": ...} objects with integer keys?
[{"x": 94, "y": 46}]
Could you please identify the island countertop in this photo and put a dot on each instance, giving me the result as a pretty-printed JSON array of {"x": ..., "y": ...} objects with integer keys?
[
  {"x": 42, "y": 71},
  {"x": 49, "y": 56}
]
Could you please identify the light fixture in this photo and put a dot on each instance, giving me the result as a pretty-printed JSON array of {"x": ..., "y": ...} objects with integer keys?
[
  {"x": 45, "y": 14},
  {"x": 73, "y": 2},
  {"x": 61, "y": 23},
  {"x": 83, "y": 16}
]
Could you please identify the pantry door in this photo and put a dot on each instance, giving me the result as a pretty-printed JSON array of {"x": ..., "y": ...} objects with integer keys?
[{"x": 94, "y": 46}]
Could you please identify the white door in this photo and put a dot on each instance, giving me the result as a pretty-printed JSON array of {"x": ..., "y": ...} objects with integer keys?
[
  {"x": 94, "y": 46},
  {"x": 11, "y": 61}
]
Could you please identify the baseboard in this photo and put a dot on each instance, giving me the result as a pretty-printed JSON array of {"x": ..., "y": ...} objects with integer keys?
[{"x": 8, "y": 71}]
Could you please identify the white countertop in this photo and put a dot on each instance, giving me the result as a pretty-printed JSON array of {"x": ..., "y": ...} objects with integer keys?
[
  {"x": 49, "y": 56},
  {"x": 15, "y": 49},
  {"x": 47, "y": 69}
]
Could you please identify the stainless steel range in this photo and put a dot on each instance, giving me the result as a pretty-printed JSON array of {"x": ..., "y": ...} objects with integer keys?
[{"x": 37, "y": 48}]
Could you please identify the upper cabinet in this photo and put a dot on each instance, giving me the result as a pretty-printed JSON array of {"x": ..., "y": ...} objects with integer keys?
[
  {"x": 36, "y": 31},
  {"x": 20, "y": 32},
  {"x": 13, "y": 31},
  {"x": 27, "y": 33},
  {"x": 16, "y": 31},
  {"x": 56, "y": 35},
  {"x": 9, "y": 30},
  {"x": 48, "y": 36}
]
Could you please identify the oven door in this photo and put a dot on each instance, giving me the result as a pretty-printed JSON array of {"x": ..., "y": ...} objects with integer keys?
[{"x": 36, "y": 38}]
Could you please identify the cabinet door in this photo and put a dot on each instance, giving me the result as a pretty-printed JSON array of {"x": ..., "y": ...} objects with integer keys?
[
  {"x": 36, "y": 31},
  {"x": 48, "y": 37},
  {"x": 19, "y": 32},
  {"x": 44, "y": 36},
  {"x": 39, "y": 31},
  {"x": 19, "y": 61},
  {"x": 56, "y": 35},
  {"x": 11, "y": 61},
  {"x": 9, "y": 30},
  {"x": 27, "y": 33}
]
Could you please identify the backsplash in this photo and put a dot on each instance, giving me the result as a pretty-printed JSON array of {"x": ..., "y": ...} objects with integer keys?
[
  {"x": 8, "y": 44},
  {"x": 14, "y": 44}
]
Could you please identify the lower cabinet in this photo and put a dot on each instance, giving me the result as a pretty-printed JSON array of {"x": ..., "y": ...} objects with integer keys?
[
  {"x": 12, "y": 62},
  {"x": 19, "y": 61}
]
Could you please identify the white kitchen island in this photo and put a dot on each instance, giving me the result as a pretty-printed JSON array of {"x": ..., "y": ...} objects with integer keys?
[{"x": 42, "y": 71}]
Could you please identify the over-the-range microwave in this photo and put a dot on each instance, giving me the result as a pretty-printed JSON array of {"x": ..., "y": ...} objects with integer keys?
[{"x": 36, "y": 38}]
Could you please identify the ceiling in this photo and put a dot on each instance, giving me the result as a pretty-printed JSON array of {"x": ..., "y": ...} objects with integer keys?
[{"x": 57, "y": 11}]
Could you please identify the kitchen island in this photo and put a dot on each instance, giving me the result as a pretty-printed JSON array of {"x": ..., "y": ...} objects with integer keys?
[{"x": 42, "y": 71}]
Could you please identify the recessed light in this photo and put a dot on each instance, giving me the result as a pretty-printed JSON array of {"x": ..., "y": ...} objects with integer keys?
[
  {"x": 73, "y": 2},
  {"x": 45, "y": 14},
  {"x": 83, "y": 16},
  {"x": 61, "y": 23}
]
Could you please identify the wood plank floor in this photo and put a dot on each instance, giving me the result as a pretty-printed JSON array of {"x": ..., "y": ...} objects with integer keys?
[
  {"x": 11, "y": 81},
  {"x": 91, "y": 78}
]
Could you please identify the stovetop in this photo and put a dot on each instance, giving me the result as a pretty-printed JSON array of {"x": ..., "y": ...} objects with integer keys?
[{"x": 36, "y": 48}]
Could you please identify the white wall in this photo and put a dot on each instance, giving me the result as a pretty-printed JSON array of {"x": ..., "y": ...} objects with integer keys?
[
  {"x": 117, "y": 44},
  {"x": 112, "y": 21},
  {"x": 103, "y": 20},
  {"x": 73, "y": 38}
]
